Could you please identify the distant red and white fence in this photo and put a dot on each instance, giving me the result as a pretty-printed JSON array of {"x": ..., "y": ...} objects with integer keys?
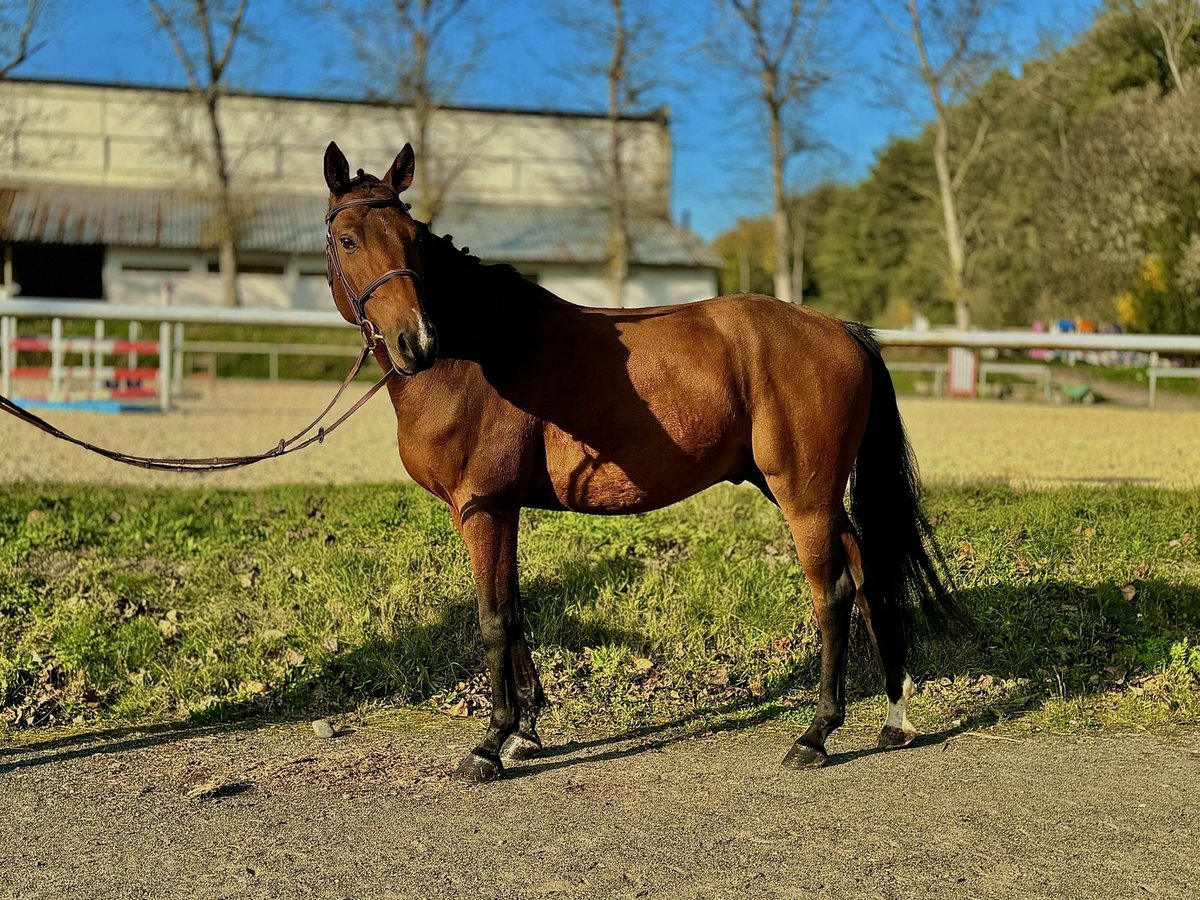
[{"x": 96, "y": 373}]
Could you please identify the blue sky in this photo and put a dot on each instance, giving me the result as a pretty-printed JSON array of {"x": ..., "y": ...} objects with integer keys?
[{"x": 720, "y": 166}]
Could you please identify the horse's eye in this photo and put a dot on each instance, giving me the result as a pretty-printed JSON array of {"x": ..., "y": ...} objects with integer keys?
[{"x": 348, "y": 242}]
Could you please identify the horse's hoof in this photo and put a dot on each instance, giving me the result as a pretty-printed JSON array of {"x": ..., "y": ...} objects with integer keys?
[
  {"x": 892, "y": 738},
  {"x": 802, "y": 756},
  {"x": 476, "y": 769},
  {"x": 519, "y": 746}
]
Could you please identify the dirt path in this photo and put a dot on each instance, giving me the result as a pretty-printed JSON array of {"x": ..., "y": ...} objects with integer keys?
[{"x": 374, "y": 813}]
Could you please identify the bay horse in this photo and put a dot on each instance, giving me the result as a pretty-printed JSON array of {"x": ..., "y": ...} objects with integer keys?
[{"x": 509, "y": 397}]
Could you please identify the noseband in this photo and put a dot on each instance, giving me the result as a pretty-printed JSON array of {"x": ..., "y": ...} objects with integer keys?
[{"x": 333, "y": 266}]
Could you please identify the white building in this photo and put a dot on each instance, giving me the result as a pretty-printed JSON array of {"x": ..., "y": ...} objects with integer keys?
[{"x": 103, "y": 194}]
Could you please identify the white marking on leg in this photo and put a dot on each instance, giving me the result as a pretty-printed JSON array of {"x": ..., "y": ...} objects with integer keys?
[{"x": 897, "y": 715}]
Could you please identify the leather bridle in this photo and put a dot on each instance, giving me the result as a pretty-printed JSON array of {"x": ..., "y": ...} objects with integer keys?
[{"x": 333, "y": 267}]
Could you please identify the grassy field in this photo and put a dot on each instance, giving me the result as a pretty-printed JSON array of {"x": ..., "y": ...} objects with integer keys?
[{"x": 120, "y": 604}]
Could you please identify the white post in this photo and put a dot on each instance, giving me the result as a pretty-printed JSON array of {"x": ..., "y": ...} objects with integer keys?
[
  {"x": 1152, "y": 371},
  {"x": 177, "y": 360},
  {"x": 164, "y": 366},
  {"x": 273, "y": 363},
  {"x": 5, "y": 356},
  {"x": 56, "y": 360},
  {"x": 133, "y": 336},
  {"x": 98, "y": 357}
]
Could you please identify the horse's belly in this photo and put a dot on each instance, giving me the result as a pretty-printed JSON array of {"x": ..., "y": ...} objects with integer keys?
[{"x": 632, "y": 478}]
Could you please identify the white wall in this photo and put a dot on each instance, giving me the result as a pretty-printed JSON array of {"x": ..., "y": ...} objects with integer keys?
[
  {"x": 140, "y": 277},
  {"x": 658, "y": 286},
  {"x": 194, "y": 285},
  {"x": 91, "y": 134}
]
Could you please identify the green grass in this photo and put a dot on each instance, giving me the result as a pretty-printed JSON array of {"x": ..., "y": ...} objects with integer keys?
[{"x": 126, "y": 605}]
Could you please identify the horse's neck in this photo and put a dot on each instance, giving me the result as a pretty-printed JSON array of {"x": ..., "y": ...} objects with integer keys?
[
  {"x": 486, "y": 314},
  {"x": 483, "y": 315}
]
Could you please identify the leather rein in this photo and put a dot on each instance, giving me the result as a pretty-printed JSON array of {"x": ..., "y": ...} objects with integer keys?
[{"x": 304, "y": 438}]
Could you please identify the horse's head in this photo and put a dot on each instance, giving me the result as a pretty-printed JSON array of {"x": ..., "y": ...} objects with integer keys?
[{"x": 374, "y": 267}]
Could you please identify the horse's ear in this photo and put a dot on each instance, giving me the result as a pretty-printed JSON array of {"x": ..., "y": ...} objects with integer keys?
[
  {"x": 337, "y": 170},
  {"x": 400, "y": 175}
]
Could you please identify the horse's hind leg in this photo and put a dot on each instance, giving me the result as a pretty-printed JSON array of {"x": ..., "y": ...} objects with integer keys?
[
  {"x": 818, "y": 538},
  {"x": 885, "y": 623}
]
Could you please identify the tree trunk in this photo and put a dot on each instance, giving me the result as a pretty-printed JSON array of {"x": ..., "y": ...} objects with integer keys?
[
  {"x": 226, "y": 224},
  {"x": 618, "y": 240},
  {"x": 799, "y": 233},
  {"x": 1171, "y": 50},
  {"x": 783, "y": 271},
  {"x": 955, "y": 246}
]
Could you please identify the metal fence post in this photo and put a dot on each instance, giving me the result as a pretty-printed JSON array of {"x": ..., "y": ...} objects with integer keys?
[
  {"x": 56, "y": 360},
  {"x": 1152, "y": 372},
  {"x": 98, "y": 358},
  {"x": 5, "y": 356},
  {"x": 164, "y": 366},
  {"x": 177, "y": 360}
]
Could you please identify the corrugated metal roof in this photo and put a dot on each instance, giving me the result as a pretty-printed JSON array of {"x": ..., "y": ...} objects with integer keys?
[{"x": 126, "y": 217}]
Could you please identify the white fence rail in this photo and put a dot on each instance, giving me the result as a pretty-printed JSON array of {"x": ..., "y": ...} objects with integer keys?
[{"x": 12, "y": 310}]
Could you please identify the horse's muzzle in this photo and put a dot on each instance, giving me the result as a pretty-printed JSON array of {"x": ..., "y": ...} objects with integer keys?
[{"x": 413, "y": 353}]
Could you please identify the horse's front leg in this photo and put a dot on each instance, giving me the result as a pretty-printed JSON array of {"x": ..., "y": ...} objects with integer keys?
[
  {"x": 491, "y": 539},
  {"x": 526, "y": 743}
]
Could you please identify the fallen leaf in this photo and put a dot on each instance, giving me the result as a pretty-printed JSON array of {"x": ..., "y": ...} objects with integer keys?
[
  {"x": 293, "y": 657},
  {"x": 458, "y": 710},
  {"x": 1129, "y": 592},
  {"x": 642, "y": 664}
]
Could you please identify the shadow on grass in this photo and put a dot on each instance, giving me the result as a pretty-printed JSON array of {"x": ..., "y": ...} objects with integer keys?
[
  {"x": 423, "y": 660},
  {"x": 1042, "y": 640}
]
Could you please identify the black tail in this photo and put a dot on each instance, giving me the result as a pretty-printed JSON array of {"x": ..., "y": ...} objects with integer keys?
[{"x": 898, "y": 543}]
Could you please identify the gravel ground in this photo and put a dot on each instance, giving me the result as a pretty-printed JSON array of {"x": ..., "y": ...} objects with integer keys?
[
  {"x": 1023, "y": 444},
  {"x": 679, "y": 815}
]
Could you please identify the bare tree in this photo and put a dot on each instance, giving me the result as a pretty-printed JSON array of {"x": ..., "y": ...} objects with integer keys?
[
  {"x": 203, "y": 35},
  {"x": 18, "y": 19},
  {"x": 945, "y": 45},
  {"x": 1174, "y": 21},
  {"x": 622, "y": 46},
  {"x": 780, "y": 47},
  {"x": 415, "y": 56}
]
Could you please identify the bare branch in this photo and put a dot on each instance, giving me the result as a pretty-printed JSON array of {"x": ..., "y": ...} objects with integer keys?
[
  {"x": 972, "y": 154},
  {"x": 21, "y": 52},
  {"x": 234, "y": 28},
  {"x": 167, "y": 24}
]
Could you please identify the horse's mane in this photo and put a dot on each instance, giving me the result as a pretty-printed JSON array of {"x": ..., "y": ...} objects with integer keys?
[{"x": 439, "y": 252}]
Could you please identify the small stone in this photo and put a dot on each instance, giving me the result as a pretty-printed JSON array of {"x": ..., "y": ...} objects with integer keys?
[{"x": 322, "y": 729}]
